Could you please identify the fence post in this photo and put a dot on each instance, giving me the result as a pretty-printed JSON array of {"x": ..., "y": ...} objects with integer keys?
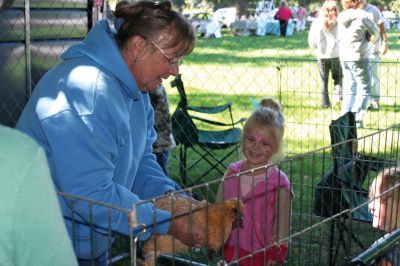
[{"x": 27, "y": 29}]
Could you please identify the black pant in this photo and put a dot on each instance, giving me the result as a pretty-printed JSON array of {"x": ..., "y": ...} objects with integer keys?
[
  {"x": 325, "y": 66},
  {"x": 283, "y": 26}
]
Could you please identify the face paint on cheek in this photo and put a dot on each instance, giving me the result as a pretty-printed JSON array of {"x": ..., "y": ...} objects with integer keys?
[{"x": 258, "y": 138}]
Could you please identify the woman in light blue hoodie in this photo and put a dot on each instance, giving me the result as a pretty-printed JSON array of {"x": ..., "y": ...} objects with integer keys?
[
  {"x": 356, "y": 33},
  {"x": 93, "y": 117}
]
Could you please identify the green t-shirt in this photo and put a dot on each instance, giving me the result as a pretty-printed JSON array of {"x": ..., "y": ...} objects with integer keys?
[{"x": 32, "y": 230}]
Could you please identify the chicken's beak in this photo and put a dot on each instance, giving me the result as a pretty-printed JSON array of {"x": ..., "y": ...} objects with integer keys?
[{"x": 241, "y": 216}]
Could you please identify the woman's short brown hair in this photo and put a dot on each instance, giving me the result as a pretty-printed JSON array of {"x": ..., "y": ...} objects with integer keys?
[{"x": 154, "y": 21}]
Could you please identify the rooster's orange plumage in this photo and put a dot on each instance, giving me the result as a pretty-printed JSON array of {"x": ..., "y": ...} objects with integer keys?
[{"x": 215, "y": 221}]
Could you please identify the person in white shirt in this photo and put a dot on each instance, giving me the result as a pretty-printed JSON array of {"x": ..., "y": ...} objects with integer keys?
[
  {"x": 323, "y": 37},
  {"x": 379, "y": 48},
  {"x": 356, "y": 33}
]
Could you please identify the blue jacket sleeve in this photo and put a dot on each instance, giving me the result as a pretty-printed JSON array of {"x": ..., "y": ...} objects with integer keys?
[
  {"x": 150, "y": 179},
  {"x": 83, "y": 163}
]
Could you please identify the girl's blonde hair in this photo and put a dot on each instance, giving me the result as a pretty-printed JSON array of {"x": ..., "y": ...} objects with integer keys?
[
  {"x": 269, "y": 114},
  {"x": 382, "y": 184}
]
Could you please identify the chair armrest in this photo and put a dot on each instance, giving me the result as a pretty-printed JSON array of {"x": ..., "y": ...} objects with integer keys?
[
  {"x": 210, "y": 110},
  {"x": 210, "y": 121},
  {"x": 241, "y": 120}
]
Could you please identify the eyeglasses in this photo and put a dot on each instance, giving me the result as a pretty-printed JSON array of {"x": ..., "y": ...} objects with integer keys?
[{"x": 171, "y": 61}]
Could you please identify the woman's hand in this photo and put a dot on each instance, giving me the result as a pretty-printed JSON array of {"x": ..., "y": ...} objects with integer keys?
[{"x": 383, "y": 49}]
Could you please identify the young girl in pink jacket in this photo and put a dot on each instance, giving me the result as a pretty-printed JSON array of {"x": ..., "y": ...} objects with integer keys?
[{"x": 265, "y": 190}]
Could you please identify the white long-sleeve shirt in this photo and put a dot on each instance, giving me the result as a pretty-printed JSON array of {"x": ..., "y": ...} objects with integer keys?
[
  {"x": 375, "y": 15},
  {"x": 325, "y": 41}
]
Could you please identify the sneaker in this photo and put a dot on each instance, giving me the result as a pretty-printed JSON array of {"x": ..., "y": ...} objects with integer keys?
[
  {"x": 336, "y": 100},
  {"x": 338, "y": 92},
  {"x": 338, "y": 89}
]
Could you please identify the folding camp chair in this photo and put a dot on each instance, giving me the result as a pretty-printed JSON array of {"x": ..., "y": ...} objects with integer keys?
[
  {"x": 203, "y": 142},
  {"x": 341, "y": 187}
]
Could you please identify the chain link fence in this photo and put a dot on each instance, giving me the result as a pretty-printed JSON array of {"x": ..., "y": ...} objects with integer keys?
[{"x": 231, "y": 68}]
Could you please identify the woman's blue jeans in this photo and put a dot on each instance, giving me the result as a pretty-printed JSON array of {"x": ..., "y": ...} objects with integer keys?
[{"x": 356, "y": 87}]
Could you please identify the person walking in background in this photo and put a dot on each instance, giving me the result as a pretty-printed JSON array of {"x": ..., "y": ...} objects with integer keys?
[
  {"x": 356, "y": 31},
  {"x": 162, "y": 125},
  {"x": 323, "y": 36},
  {"x": 266, "y": 192},
  {"x": 301, "y": 17},
  {"x": 384, "y": 205},
  {"x": 32, "y": 228},
  {"x": 379, "y": 48},
  {"x": 92, "y": 115},
  {"x": 283, "y": 14}
]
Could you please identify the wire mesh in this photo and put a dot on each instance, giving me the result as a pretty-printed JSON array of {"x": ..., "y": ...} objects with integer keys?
[
  {"x": 232, "y": 68},
  {"x": 314, "y": 239},
  {"x": 121, "y": 250}
]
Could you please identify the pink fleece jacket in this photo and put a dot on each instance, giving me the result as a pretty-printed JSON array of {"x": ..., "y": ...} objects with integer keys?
[{"x": 259, "y": 195}]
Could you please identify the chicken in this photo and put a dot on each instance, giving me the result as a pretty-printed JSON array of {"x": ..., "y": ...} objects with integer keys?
[{"x": 215, "y": 221}]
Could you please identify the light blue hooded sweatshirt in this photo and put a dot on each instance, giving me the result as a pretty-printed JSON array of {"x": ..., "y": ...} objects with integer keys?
[{"x": 96, "y": 128}]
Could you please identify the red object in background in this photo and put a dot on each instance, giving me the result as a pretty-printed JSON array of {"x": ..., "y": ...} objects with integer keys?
[
  {"x": 284, "y": 13},
  {"x": 98, "y": 3}
]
